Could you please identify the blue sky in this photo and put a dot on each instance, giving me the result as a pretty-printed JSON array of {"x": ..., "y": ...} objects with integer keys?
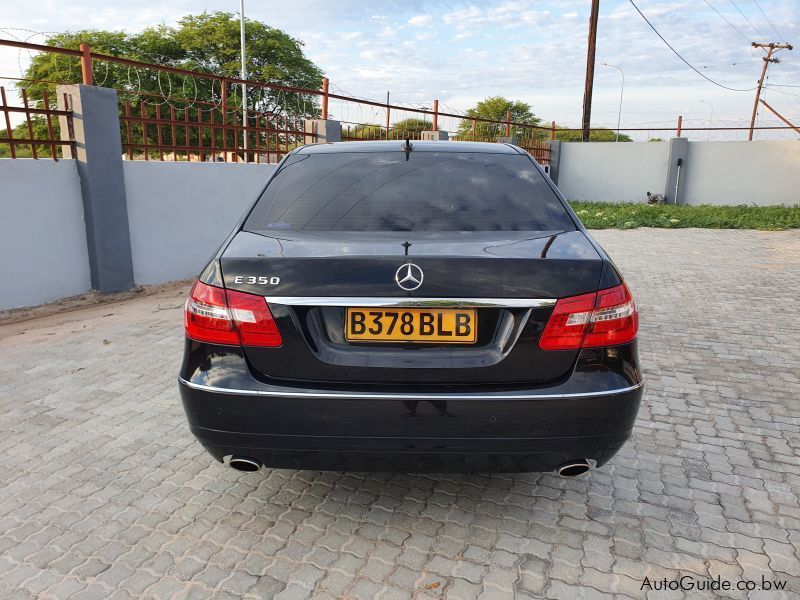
[{"x": 460, "y": 52}]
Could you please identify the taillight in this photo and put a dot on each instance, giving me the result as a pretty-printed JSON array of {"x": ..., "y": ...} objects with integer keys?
[
  {"x": 614, "y": 320},
  {"x": 226, "y": 317},
  {"x": 604, "y": 318},
  {"x": 207, "y": 318},
  {"x": 253, "y": 320},
  {"x": 567, "y": 325}
]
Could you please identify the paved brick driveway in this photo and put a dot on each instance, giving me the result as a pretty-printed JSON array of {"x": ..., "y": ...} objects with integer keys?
[{"x": 103, "y": 492}]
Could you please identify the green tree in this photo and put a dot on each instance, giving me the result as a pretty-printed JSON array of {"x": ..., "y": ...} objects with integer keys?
[
  {"x": 20, "y": 131},
  {"x": 364, "y": 131},
  {"x": 5, "y": 149},
  {"x": 412, "y": 125},
  {"x": 595, "y": 135},
  {"x": 400, "y": 130},
  {"x": 496, "y": 108},
  {"x": 208, "y": 43}
]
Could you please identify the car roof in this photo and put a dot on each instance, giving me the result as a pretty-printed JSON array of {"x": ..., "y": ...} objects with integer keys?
[{"x": 417, "y": 146}]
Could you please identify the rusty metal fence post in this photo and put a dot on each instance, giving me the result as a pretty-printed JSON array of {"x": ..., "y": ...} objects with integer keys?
[
  {"x": 86, "y": 65},
  {"x": 224, "y": 117},
  {"x": 434, "y": 134},
  {"x": 9, "y": 129},
  {"x": 388, "y": 112},
  {"x": 325, "y": 85}
]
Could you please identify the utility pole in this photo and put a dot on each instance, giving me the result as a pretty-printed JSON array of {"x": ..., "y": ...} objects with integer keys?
[
  {"x": 780, "y": 116},
  {"x": 771, "y": 48},
  {"x": 587, "y": 90}
]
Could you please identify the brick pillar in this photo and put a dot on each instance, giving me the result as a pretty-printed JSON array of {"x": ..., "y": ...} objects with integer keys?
[
  {"x": 439, "y": 136},
  {"x": 507, "y": 139},
  {"x": 676, "y": 170},
  {"x": 98, "y": 154},
  {"x": 321, "y": 131},
  {"x": 555, "y": 159}
]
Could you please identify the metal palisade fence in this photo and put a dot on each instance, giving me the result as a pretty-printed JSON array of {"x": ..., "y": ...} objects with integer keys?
[{"x": 169, "y": 113}]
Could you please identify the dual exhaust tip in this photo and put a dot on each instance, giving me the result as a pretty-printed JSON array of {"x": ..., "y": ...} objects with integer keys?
[
  {"x": 571, "y": 468},
  {"x": 244, "y": 464}
]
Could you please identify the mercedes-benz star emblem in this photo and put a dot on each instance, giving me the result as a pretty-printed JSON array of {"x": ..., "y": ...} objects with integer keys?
[{"x": 409, "y": 277}]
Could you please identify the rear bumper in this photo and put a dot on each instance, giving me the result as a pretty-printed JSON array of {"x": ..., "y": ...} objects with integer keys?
[{"x": 520, "y": 430}]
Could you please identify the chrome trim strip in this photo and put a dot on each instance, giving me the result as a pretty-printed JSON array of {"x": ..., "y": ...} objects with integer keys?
[
  {"x": 409, "y": 302},
  {"x": 378, "y": 396}
]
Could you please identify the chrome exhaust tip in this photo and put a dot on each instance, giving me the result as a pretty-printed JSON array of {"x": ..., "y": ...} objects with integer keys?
[
  {"x": 574, "y": 468},
  {"x": 242, "y": 463}
]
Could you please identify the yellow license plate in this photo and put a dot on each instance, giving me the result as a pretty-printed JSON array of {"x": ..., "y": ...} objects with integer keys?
[{"x": 427, "y": 325}]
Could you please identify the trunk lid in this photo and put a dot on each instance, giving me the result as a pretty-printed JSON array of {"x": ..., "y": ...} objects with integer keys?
[{"x": 292, "y": 269}]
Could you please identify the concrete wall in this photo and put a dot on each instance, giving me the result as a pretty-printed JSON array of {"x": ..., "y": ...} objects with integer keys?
[
  {"x": 731, "y": 173},
  {"x": 43, "y": 255},
  {"x": 762, "y": 173},
  {"x": 612, "y": 172},
  {"x": 179, "y": 213}
]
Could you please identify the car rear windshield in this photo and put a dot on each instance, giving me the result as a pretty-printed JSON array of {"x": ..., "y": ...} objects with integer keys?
[{"x": 415, "y": 191}]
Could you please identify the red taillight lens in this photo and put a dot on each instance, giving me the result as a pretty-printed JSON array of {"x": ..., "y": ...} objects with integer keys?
[
  {"x": 605, "y": 318},
  {"x": 615, "y": 320},
  {"x": 568, "y": 323},
  {"x": 232, "y": 318},
  {"x": 253, "y": 320},
  {"x": 207, "y": 318}
]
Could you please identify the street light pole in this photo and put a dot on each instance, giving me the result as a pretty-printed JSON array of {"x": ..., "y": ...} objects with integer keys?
[
  {"x": 244, "y": 76},
  {"x": 621, "y": 91},
  {"x": 710, "y": 118}
]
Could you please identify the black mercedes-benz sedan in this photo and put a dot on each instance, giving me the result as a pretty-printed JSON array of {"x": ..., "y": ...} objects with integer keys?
[{"x": 425, "y": 306}]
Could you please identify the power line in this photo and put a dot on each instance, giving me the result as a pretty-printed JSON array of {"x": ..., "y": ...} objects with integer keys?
[
  {"x": 727, "y": 65},
  {"x": 724, "y": 18},
  {"x": 736, "y": 6},
  {"x": 771, "y": 24},
  {"x": 772, "y": 88},
  {"x": 791, "y": 64},
  {"x": 686, "y": 62}
]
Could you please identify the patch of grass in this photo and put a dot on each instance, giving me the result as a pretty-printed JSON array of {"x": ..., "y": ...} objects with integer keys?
[{"x": 604, "y": 215}]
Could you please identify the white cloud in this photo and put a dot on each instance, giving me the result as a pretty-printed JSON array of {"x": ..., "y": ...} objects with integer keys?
[
  {"x": 420, "y": 20},
  {"x": 527, "y": 49}
]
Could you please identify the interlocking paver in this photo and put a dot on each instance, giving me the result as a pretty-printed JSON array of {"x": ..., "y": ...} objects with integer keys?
[{"x": 104, "y": 493}]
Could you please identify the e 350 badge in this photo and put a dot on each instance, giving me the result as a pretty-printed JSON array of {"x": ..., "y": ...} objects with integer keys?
[{"x": 253, "y": 280}]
